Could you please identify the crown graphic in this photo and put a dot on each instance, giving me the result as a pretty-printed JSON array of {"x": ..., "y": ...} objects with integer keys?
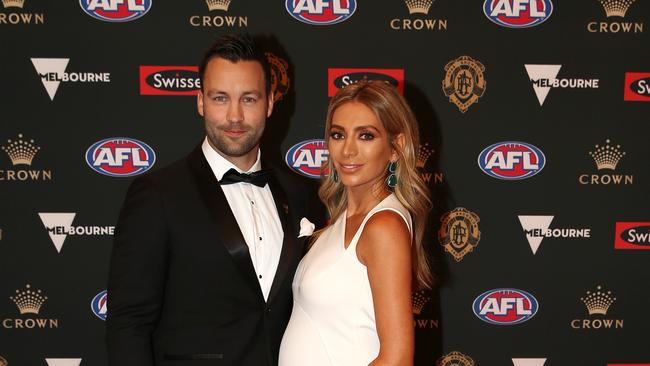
[
  {"x": 424, "y": 152},
  {"x": 218, "y": 4},
  {"x": 418, "y": 6},
  {"x": 21, "y": 151},
  {"x": 419, "y": 299},
  {"x": 616, "y": 8},
  {"x": 598, "y": 302},
  {"x": 13, "y": 3},
  {"x": 28, "y": 301},
  {"x": 607, "y": 157}
]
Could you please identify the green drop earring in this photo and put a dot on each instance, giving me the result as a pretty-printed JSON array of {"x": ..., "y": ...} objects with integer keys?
[{"x": 391, "y": 180}]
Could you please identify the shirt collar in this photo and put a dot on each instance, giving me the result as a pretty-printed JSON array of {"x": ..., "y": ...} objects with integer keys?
[{"x": 220, "y": 165}]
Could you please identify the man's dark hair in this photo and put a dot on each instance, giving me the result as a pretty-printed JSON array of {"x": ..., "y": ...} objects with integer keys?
[{"x": 235, "y": 48}]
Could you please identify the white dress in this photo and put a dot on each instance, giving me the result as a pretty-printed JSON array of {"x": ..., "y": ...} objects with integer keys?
[{"x": 333, "y": 318}]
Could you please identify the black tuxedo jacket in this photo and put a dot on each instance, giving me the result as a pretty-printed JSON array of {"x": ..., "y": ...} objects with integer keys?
[{"x": 182, "y": 286}]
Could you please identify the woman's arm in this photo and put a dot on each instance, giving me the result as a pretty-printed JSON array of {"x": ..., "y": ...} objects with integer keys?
[{"x": 385, "y": 249}]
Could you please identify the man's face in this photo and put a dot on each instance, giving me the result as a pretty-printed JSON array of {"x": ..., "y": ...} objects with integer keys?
[{"x": 234, "y": 106}]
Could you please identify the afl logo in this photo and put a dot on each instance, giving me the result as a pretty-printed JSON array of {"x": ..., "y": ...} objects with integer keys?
[
  {"x": 99, "y": 305},
  {"x": 518, "y": 13},
  {"x": 307, "y": 157},
  {"x": 116, "y": 10},
  {"x": 511, "y": 160},
  {"x": 321, "y": 12},
  {"x": 120, "y": 157},
  {"x": 505, "y": 306}
]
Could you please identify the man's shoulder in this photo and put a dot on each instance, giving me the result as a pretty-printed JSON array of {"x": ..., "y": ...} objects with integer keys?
[{"x": 167, "y": 176}]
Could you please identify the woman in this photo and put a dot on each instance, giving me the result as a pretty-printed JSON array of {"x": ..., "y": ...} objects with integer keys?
[{"x": 352, "y": 291}]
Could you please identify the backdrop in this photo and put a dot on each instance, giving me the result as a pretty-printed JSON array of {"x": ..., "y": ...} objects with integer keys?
[{"x": 534, "y": 129}]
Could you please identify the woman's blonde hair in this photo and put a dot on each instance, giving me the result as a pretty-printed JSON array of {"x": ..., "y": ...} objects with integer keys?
[{"x": 397, "y": 118}]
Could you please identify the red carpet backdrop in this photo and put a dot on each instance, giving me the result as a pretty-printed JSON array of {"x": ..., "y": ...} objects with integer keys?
[{"x": 534, "y": 124}]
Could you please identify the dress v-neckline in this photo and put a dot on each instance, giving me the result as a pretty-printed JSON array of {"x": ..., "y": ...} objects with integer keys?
[{"x": 345, "y": 223}]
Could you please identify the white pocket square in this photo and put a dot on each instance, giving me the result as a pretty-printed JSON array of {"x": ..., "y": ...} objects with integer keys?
[{"x": 306, "y": 227}]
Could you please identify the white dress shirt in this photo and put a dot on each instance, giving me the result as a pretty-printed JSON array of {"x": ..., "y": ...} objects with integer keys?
[{"x": 256, "y": 215}]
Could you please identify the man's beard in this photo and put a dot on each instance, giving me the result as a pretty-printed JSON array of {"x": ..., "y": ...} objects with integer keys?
[{"x": 230, "y": 148}]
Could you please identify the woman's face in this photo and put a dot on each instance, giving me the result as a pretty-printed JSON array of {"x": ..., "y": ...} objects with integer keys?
[{"x": 359, "y": 146}]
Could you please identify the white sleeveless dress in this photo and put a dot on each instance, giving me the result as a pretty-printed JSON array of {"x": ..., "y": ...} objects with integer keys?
[{"x": 333, "y": 318}]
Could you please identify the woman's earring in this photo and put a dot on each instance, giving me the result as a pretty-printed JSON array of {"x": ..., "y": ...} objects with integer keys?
[
  {"x": 391, "y": 180},
  {"x": 335, "y": 176}
]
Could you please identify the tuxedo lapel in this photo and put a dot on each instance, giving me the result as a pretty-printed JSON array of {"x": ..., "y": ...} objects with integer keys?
[
  {"x": 288, "y": 253},
  {"x": 224, "y": 220}
]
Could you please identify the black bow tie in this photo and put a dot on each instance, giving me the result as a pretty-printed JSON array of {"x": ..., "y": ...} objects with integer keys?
[{"x": 258, "y": 178}]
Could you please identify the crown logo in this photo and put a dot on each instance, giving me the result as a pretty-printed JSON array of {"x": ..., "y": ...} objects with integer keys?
[
  {"x": 424, "y": 152},
  {"x": 598, "y": 302},
  {"x": 616, "y": 8},
  {"x": 218, "y": 4},
  {"x": 28, "y": 301},
  {"x": 21, "y": 151},
  {"x": 419, "y": 299},
  {"x": 607, "y": 157},
  {"x": 418, "y": 6},
  {"x": 13, "y": 3}
]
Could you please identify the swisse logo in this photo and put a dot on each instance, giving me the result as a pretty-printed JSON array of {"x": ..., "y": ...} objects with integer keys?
[
  {"x": 511, "y": 160},
  {"x": 99, "y": 305},
  {"x": 340, "y": 78},
  {"x": 321, "y": 12},
  {"x": 518, "y": 13},
  {"x": 307, "y": 157},
  {"x": 632, "y": 235},
  {"x": 116, "y": 10},
  {"x": 505, "y": 306},
  {"x": 169, "y": 80},
  {"x": 637, "y": 86},
  {"x": 120, "y": 157}
]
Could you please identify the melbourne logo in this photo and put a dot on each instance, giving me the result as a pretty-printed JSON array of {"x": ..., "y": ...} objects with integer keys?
[
  {"x": 14, "y": 17},
  {"x": 459, "y": 233},
  {"x": 279, "y": 76},
  {"x": 22, "y": 152},
  {"x": 637, "y": 86},
  {"x": 340, "y": 78},
  {"x": 632, "y": 235},
  {"x": 52, "y": 73},
  {"x": 505, "y": 306},
  {"x": 99, "y": 304},
  {"x": 321, "y": 12},
  {"x": 536, "y": 228},
  {"x": 511, "y": 160},
  {"x": 606, "y": 158},
  {"x": 597, "y": 304},
  {"x": 307, "y": 157},
  {"x": 464, "y": 82},
  {"x": 59, "y": 226},
  {"x": 169, "y": 80},
  {"x": 528, "y": 361},
  {"x": 120, "y": 157},
  {"x": 116, "y": 10},
  {"x": 615, "y": 9},
  {"x": 63, "y": 361},
  {"x": 544, "y": 77},
  {"x": 29, "y": 303},
  {"x": 518, "y": 13},
  {"x": 219, "y": 16},
  {"x": 455, "y": 358},
  {"x": 419, "y": 8}
]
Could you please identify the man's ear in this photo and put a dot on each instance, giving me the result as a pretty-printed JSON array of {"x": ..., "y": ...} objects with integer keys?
[
  {"x": 270, "y": 102},
  {"x": 199, "y": 102},
  {"x": 400, "y": 142}
]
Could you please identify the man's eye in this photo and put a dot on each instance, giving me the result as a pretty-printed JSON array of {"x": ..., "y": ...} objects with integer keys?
[
  {"x": 219, "y": 98},
  {"x": 249, "y": 100}
]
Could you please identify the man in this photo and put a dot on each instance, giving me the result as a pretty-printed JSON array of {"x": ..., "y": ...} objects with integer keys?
[{"x": 204, "y": 256}]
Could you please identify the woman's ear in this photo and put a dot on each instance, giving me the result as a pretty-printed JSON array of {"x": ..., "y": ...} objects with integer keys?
[{"x": 399, "y": 141}]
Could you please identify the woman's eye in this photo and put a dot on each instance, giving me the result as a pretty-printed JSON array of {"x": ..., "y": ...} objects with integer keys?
[
  {"x": 336, "y": 135},
  {"x": 366, "y": 136}
]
